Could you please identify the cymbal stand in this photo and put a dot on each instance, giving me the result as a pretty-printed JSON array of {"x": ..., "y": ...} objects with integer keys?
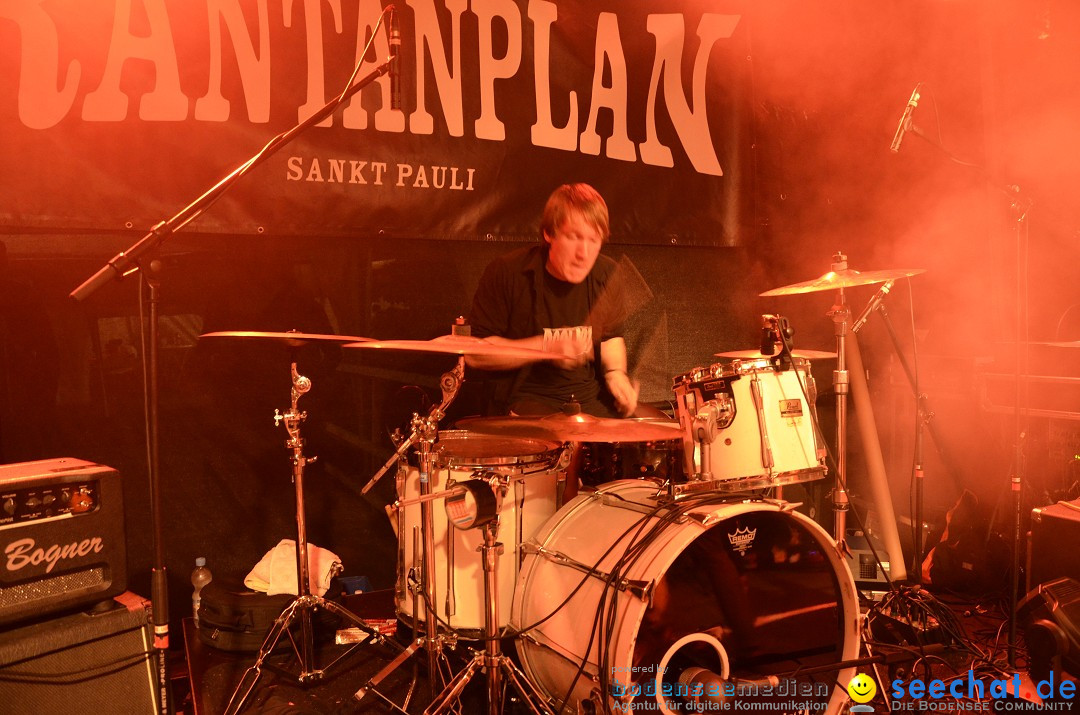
[
  {"x": 924, "y": 421},
  {"x": 305, "y": 602},
  {"x": 423, "y": 433},
  {"x": 491, "y": 659},
  {"x": 841, "y": 315}
]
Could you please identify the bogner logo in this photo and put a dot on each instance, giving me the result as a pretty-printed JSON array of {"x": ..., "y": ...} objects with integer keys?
[
  {"x": 22, "y": 553},
  {"x": 742, "y": 539}
]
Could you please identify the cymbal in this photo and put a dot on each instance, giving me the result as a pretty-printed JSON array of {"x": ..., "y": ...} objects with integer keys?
[
  {"x": 845, "y": 278},
  {"x": 575, "y": 428},
  {"x": 1043, "y": 343},
  {"x": 290, "y": 339},
  {"x": 459, "y": 345},
  {"x": 756, "y": 354}
]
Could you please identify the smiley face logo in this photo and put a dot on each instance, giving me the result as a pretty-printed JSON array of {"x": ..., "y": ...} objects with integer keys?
[{"x": 862, "y": 688}]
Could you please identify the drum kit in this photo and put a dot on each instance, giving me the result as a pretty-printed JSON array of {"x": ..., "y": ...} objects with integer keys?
[{"x": 679, "y": 577}]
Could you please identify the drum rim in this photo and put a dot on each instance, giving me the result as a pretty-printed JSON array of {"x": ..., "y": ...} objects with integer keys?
[
  {"x": 537, "y": 450},
  {"x": 752, "y": 482},
  {"x": 736, "y": 367}
]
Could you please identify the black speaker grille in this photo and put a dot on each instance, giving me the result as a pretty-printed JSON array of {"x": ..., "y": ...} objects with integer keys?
[{"x": 47, "y": 589}]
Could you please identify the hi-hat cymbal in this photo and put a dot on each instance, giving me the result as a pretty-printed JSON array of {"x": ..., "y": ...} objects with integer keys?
[
  {"x": 460, "y": 345},
  {"x": 290, "y": 339},
  {"x": 845, "y": 278},
  {"x": 575, "y": 428},
  {"x": 756, "y": 354}
]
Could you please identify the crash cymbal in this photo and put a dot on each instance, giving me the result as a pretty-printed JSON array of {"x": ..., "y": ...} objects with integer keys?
[
  {"x": 756, "y": 354},
  {"x": 459, "y": 345},
  {"x": 575, "y": 428},
  {"x": 845, "y": 278},
  {"x": 290, "y": 339}
]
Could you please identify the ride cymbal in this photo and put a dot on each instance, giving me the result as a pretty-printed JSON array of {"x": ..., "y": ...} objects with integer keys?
[
  {"x": 459, "y": 345},
  {"x": 575, "y": 428},
  {"x": 290, "y": 339},
  {"x": 845, "y": 278}
]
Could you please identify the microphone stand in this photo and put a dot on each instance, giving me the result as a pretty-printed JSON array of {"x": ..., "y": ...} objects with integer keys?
[
  {"x": 1020, "y": 206},
  {"x": 139, "y": 256}
]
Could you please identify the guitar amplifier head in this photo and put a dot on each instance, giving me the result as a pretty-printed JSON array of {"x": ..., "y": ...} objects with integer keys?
[{"x": 62, "y": 542}]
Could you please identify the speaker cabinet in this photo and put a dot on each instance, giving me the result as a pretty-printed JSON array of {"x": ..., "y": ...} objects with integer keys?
[
  {"x": 1054, "y": 543},
  {"x": 91, "y": 662}
]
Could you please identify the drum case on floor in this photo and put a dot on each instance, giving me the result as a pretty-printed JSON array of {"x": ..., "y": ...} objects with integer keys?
[{"x": 236, "y": 619}]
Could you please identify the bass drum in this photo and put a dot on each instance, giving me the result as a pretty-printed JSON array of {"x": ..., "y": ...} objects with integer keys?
[{"x": 621, "y": 596}]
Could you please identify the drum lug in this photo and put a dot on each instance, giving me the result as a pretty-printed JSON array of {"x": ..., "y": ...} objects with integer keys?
[{"x": 703, "y": 519}]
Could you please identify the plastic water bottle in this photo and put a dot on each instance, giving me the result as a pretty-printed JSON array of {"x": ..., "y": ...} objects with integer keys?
[{"x": 199, "y": 578}]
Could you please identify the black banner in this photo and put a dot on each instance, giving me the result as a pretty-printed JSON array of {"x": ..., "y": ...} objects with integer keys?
[{"x": 117, "y": 113}]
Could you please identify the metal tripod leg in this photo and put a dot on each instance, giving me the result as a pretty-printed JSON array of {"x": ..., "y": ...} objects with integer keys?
[
  {"x": 491, "y": 659},
  {"x": 305, "y": 602}
]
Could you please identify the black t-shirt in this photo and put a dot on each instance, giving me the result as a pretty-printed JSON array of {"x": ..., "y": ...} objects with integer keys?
[{"x": 518, "y": 298}]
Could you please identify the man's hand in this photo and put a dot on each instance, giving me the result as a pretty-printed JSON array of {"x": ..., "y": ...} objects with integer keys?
[{"x": 624, "y": 390}]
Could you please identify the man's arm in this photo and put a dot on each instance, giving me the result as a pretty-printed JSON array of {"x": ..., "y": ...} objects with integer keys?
[{"x": 613, "y": 364}]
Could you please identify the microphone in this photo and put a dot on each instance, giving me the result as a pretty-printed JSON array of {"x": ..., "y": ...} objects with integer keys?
[
  {"x": 768, "y": 334},
  {"x": 395, "y": 50},
  {"x": 872, "y": 305},
  {"x": 705, "y": 686},
  {"x": 905, "y": 119}
]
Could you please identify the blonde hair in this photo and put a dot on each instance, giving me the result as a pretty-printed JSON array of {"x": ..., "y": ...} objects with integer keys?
[{"x": 575, "y": 197}]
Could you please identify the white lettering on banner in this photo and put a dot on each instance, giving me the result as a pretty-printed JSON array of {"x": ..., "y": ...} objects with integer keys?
[
  {"x": 609, "y": 54},
  {"x": 166, "y": 102},
  {"x": 544, "y": 132},
  {"x": 254, "y": 66},
  {"x": 316, "y": 82},
  {"x": 487, "y": 125},
  {"x": 47, "y": 91},
  {"x": 21, "y": 553},
  {"x": 355, "y": 171},
  {"x": 40, "y": 104},
  {"x": 447, "y": 79}
]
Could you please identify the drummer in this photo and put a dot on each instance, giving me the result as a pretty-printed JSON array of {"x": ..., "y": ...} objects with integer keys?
[{"x": 557, "y": 296}]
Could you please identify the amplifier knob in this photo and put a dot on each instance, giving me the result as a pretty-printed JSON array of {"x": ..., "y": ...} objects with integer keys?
[
  {"x": 33, "y": 503},
  {"x": 9, "y": 506},
  {"x": 81, "y": 502}
]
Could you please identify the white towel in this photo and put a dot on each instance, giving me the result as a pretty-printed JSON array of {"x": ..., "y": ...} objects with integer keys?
[{"x": 276, "y": 571}]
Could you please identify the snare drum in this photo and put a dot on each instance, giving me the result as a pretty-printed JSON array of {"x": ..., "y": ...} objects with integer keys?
[
  {"x": 620, "y": 594},
  {"x": 524, "y": 473},
  {"x": 750, "y": 426}
]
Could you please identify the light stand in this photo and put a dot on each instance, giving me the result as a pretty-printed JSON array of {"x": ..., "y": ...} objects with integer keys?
[
  {"x": 305, "y": 602},
  {"x": 1016, "y": 480}
]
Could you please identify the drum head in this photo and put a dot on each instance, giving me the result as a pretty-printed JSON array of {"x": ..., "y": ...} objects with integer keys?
[{"x": 459, "y": 448}]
